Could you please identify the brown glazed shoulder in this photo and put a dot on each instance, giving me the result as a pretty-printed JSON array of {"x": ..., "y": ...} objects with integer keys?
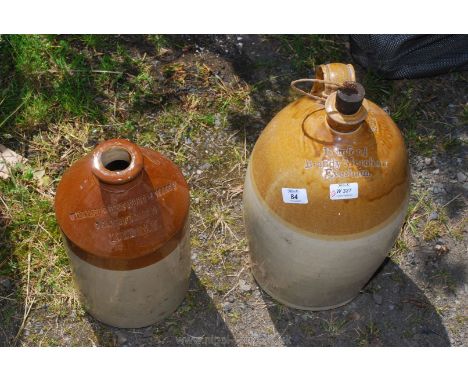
[
  {"x": 299, "y": 150},
  {"x": 123, "y": 226}
]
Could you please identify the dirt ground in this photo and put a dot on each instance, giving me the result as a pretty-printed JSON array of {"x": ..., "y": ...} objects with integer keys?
[{"x": 417, "y": 298}]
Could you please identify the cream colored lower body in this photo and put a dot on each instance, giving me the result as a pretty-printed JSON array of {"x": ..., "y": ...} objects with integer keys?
[
  {"x": 311, "y": 272},
  {"x": 134, "y": 298}
]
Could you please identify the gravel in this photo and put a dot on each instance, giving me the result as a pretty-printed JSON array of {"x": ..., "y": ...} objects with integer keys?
[
  {"x": 438, "y": 188},
  {"x": 433, "y": 216},
  {"x": 244, "y": 286},
  {"x": 227, "y": 307},
  {"x": 5, "y": 283},
  {"x": 377, "y": 298},
  {"x": 122, "y": 338}
]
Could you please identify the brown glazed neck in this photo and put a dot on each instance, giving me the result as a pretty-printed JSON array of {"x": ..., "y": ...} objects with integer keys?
[
  {"x": 122, "y": 207},
  {"x": 341, "y": 128},
  {"x": 117, "y": 162}
]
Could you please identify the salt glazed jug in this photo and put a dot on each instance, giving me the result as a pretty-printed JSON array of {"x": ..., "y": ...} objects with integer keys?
[
  {"x": 124, "y": 212},
  {"x": 325, "y": 194}
]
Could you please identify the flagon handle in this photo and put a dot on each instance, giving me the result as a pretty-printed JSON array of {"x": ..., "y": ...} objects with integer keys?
[
  {"x": 313, "y": 80},
  {"x": 328, "y": 78}
]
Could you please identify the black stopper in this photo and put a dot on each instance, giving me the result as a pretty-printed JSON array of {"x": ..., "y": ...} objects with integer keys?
[{"x": 349, "y": 97}]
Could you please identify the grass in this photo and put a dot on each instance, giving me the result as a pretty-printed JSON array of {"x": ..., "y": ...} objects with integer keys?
[
  {"x": 309, "y": 51},
  {"x": 417, "y": 223},
  {"x": 424, "y": 132},
  {"x": 54, "y": 80},
  {"x": 334, "y": 326},
  {"x": 378, "y": 90},
  {"x": 368, "y": 335},
  {"x": 399, "y": 248},
  {"x": 464, "y": 115},
  {"x": 445, "y": 278},
  {"x": 32, "y": 251},
  {"x": 404, "y": 110}
]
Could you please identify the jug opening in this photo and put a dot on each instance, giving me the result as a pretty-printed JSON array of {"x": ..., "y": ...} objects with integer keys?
[{"x": 116, "y": 159}]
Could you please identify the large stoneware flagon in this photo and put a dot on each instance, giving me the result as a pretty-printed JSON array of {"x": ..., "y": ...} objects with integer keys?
[{"x": 325, "y": 194}]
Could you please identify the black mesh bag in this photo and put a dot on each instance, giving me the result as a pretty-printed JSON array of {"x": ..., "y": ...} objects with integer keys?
[{"x": 396, "y": 56}]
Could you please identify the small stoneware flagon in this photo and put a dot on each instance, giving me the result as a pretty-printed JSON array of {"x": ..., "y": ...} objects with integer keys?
[
  {"x": 325, "y": 194},
  {"x": 123, "y": 211}
]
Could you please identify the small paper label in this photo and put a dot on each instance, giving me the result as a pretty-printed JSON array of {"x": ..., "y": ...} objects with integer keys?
[
  {"x": 295, "y": 195},
  {"x": 344, "y": 191}
]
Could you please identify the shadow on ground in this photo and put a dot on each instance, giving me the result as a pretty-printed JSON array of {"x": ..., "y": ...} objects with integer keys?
[
  {"x": 10, "y": 310},
  {"x": 390, "y": 311},
  {"x": 195, "y": 323}
]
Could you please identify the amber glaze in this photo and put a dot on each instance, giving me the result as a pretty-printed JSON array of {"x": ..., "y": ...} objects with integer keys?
[
  {"x": 319, "y": 254},
  {"x": 299, "y": 149},
  {"x": 334, "y": 72},
  {"x": 124, "y": 219}
]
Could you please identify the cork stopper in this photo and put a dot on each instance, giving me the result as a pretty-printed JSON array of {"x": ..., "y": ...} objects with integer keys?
[{"x": 349, "y": 98}]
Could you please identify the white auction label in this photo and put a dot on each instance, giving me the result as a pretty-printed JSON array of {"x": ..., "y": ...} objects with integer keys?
[
  {"x": 295, "y": 195},
  {"x": 344, "y": 191}
]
